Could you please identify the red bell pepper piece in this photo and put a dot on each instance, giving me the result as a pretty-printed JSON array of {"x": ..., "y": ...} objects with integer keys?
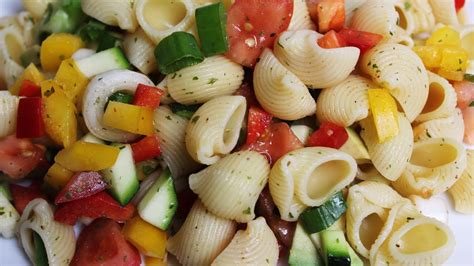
[
  {"x": 29, "y": 122},
  {"x": 147, "y": 96},
  {"x": 459, "y": 4},
  {"x": 331, "y": 40},
  {"x": 81, "y": 185},
  {"x": 95, "y": 206},
  {"x": 29, "y": 89},
  {"x": 360, "y": 39},
  {"x": 258, "y": 122},
  {"x": 328, "y": 135},
  {"x": 146, "y": 148},
  {"x": 23, "y": 195}
]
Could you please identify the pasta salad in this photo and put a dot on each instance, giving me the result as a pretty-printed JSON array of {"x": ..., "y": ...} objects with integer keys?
[{"x": 236, "y": 132}]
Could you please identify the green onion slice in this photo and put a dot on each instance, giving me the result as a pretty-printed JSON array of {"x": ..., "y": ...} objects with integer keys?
[{"x": 211, "y": 27}]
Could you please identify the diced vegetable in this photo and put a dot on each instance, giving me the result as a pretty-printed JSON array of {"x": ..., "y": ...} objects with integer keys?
[
  {"x": 146, "y": 148},
  {"x": 83, "y": 156},
  {"x": 160, "y": 202},
  {"x": 81, "y": 185},
  {"x": 29, "y": 121},
  {"x": 328, "y": 135},
  {"x": 147, "y": 96},
  {"x": 145, "y": 168},
  {"x": 316, "y": 219},
  {"x": 360, "y": 39},
  {"x": 92, "y": 31},
  {"x": 56, "y": 48},
  {"x": 302, "y": 132},
  {"x": 459, "y": 4},
  {"x": 31, "y": 56},
  {"x": 303, "y": 251},
  {"x": 384, "y": 112},
  {"x": 130, "y": 118},
  {"x": 331, "y": 40},
  {"x": 71, "y": 79},
  {"x": 95, "y": 206},
  {"x": 29, "y": 89},
  {"x": 63, "y": 16},
  {"x": 185, "y": 111},
  {"x": 465, "y": 93},
  {"x": 468, "y": 116},
  {"x": 101, "y": 62},
  {"x": 41, "y": 257},
  {"x": 211, "y": 26},
  {"x": 59, "y": 114},
  {"x": 258, "y": 122},
  {"x": 109, "y": 40},
  {"x": 18, "y": 157},
  {"x": 120, "y": 96},
  {"x": 23, "y": 195},
  {"x": 57, "y": 177},
  {"x": 354, "y": 146},
  {"x": 445, "y": 36},
  {"x": 151, "y": 261},
  {"x": 89, "y": 137},
  {"x": 9, "y": 217},
  {"x": 5, "y": 191},
  {"x": 335, "y": 248},
  {"x": 149, "y": 240},
  {"x": 122, "y": 177},
  {"x": 177, "y": 51},
  {"x": 469, "y": 77},
  {"x": 30, "y": 73},
  {"x": 430, "y": 55},
  {"x": 327, "y": 14},
  {"x": 453, "y": 63}
]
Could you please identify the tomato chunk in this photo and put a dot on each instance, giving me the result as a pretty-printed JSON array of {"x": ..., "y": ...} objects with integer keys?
[
  {"x": 18, "y": 157},
  {"x": 29, "y": 119},
  {"x": 23, "y": 195},
  {"x": 258, "y": 122},
  {"x": 102, "y": 243},
  {"x": 147, "y": 96},
  {"x": 80, "y": 186},
  {"x": 331, "y": 40},
  {"x": 360, "y": 39},
  {"x": 252, "y": 25},
  {"x": 327, "y": 14},
  {"x": 147, "y": 148},
  {"x": 459, "y": 4},
  {"x": 328, "y": 135},
  {"x": 465, "y": 93},
  {"x": 29, "y": 89},
  {"x": 95, "y": 206}
]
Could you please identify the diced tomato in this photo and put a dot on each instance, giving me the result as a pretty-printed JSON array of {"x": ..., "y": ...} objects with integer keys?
[
  {"x": 327, "y": 14},
  {"x": 247, "y": 91},
  {"x": 465, "y": 92},
  {"x": 29, "y": 89},
  {"x": 360, "y": 39},
  {"x": 102, "y": 243},
  {"x": 95, "y": 206},
  {"x": 18, "y": 157},
  {"x": 459, "y": 4},
  {"x": 29, "y": 120},
  {"x": 328, "y": 135},
  {"x": 258, "y": 122},
  {"x": 81, "y": 185},
  {"x": 276, "y": 142},
  {"x": 252, "y": 25},
  {"x": 468, "y": 115},
  {"x": 331, "y": 40},
  {"x": 147, "y": 96},
  {"x": 23, "y": 195},
  {"x": 146, "y": 148}
]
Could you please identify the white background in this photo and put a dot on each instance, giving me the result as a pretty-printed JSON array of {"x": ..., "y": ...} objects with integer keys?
[{"x": 462, "y": 225}]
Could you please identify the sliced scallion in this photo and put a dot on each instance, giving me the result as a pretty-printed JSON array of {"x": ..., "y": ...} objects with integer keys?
[{"x": 211, "y": 27}]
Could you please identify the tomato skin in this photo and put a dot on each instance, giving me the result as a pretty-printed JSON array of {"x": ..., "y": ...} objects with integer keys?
[
  {"x": 468, "y": 116},
  {"x": 29, "y": 118},
  {"x": 95, "y": 206},
  {"x": 146, "y": 148},
  {"x": 18, "y": 157},
  {"x": 331, "y": 40},
  {"x": 459, "y": 4},
  {"x": 360, "y": 39},
  {"x": 328, "y": 135},
  {"x": 102, "y": 243},
  {"x": 258, "y": 122},
  {"x": 252, "y": 25},
  {"x": 23, "y": 195},
  {"x": 81, "y": 185},
  {"x": 465, "y": 92},
  {"x": 147, "y": 96}
]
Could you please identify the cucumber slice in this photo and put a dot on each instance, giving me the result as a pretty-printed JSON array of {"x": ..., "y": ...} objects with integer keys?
[
  {"x": 4, "y": 189},
  {"x": 41, "y": 257},
  {"x": 303, "y": 252},
  {"x": 319, "y": 218},
  {"x": 160, "y": 202},
  {"x": 122, "y": 177},
  {"x": 335, "y": 248},
  {"x": 104, "y": 61}
]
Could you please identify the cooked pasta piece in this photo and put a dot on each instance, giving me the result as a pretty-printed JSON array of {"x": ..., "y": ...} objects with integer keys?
[
  {"x": 36, "y": 7},
  {"x": 8, "y": 110},
  {"x": 415, "y": 16},
  {"x": 161, "y": 18},
  {"x": 434, "y": 166},
  {"x": 214, "y": 129},
  {"x": 27, "y": 26},
  {"x": 119, "y": 13},
  {"x": 279, "y": 91},
  {"x": 140, "y": 51},
  {"x": 202, "y": 237},
  {"x": 9, "y": 217},
  {"x": 58, "y": 238},
  {"x": 301, "y": 19},
  {"x": 230, "y": 187},
  {"x": 467, "y": 39},
  {"x": 315, "y": 66},
  {"x": 215, "y": 76},
  {"x": 171, "y": 129},
  {"x": 308, "y": 177},
  {"x": 449, "y": 127},
  {"x": 345, "y": 103},
  {"x": 401, "y": 71},
  {"x": 257, "y": 245},
  {"x": 441, "y": 100},
  {"x": 367, "y": 171},
  {"x": 389, "y": 157},
  {"x": 444, "y": 12},
  {"x": 350, "y": 7},
  {"x": 462, "y": 191},
  {"x": 95, "y": 98},
  {"x": 12, "y": 46}
]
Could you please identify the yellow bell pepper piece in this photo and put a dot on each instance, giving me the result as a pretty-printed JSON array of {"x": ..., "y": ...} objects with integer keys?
[
  {"x": 59, "y": 114},
  {"x": 384, "y": 113},
  {"x": 57, "y": 177},
  {"x": 150, "y": 261},
  {"x": 148, "y": 239},
  {"x": 56, "y": 48},
  {"x": 84, "y": 156},
  {"x": 71, "y": 79},
  {"x": 128, "y": 117},
  {"x": 453, "y": 63},
  {"x": 430, "y": 55},
  {"x": 30, "y": 73},
  {"x": 445, "y": 36}
]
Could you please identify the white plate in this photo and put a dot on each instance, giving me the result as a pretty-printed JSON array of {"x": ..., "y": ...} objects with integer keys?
[{"x": 462, "y": 225}]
